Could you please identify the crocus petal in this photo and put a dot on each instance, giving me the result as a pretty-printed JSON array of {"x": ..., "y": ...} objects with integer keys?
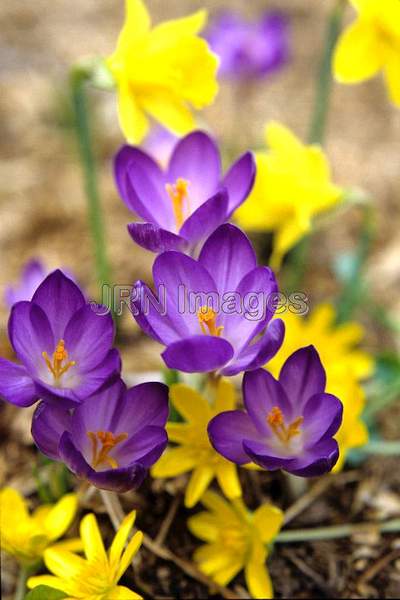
[
  {"x": 239, "y": 181},
  {"x": 151, "y": 315},
  {"x": 88, "y": 338},
  {"x": 60, "y": 298},
  {"x": 125, "y": 161},
  {"x": 323, "y": 415},
  {"x": 303, "y": 376},
  {"x": 16, "y": 385},
  {"x": 196, "y": 159},
  {"x": 198, "y": 483},
  {"x": 48, "y": 424},
  {"x": 198, "y": 354},
  {"x": 153, "y": 238},
  {"x": 227, "y": 432},
  {"x": 261, "y": 393},
  {"x": 260, "y": 352},
  {"x": 144, "y": 404},
  {"x": 228, "y": 256},
  {"x": 266, "y": 456},
  {"x": 319, "y": 459},
  {"x": 145, "y": 447},
  {"x": 109, "y": 368},
  {"x": 206, "y": 218},
  {"x": 92, "y": 540}
]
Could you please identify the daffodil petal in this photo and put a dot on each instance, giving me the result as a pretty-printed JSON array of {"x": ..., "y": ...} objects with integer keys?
[
  {"x": 169, "y": 110},
  {"x": 198, "y": 483},
  {"x": 129, "y": 553},
  {"x": 174, "y": 461},
  {"x": 133, "y": 121},
  {"x": 61, "y": 515},
  {"x": 183, "y": 27},
  {"x": 268, "y": 521},
  {"x": 92, "y": 540},
  {"x": 121, "y": 537},
  {"x": 357, "y": 56},
  {"x": 228, "y": 479}
]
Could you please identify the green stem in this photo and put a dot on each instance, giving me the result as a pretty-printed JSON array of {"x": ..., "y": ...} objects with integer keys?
[
  {"x": 380, "y": 447},
  {"x": 336, "y": 531},
  {"x": 78, "y": 80},
  {"x": 21, "y": 584},
  {"x": 324, "y": 81}
]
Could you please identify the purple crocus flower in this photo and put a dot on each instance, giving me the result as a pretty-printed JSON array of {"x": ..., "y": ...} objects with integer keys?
[
  {"x": 250, "y": 50},
  {"x": 160, "y": 144},
  {"x": 32, "y": 276},
  {"x": 183, "y": 205},
  {"x": 288, "y": 424},
  {"x": 217, "y": 309},
  {"x": 112, "y": 438},
  {"x": 64, "y": 347}
]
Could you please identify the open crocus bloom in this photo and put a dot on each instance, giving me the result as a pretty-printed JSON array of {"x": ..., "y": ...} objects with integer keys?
[
  {"x": 63, "y": 346},
  {"x": 183, "y": 205},
  {"x": 112, "y": 438},
  {"x": 249, "y": 49},
  {"x": 288, "y": 424},
  {"x": 217, "y": 309}
]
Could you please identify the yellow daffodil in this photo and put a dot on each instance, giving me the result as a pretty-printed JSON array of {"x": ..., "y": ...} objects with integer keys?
[
  {"x": 345, "y": 365},
  {"x": 293, "y": 184},
  {"x": 194, "y": 451},
  {"x": 371, "y": 44},
  {"x": 27, "y": 536},
  {"x": 236, "y": 539},
  {"x": 161, "y": 72},
  {"x": 96, "y": 576}
]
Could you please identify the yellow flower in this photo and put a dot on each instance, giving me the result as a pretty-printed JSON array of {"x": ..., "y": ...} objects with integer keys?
[
  {"x": 161, "y": 72},
  {"x": 371, "y": 44},
  {"x": 27, "y": 536},
  {"x": 344, "y": 363},
  {"x": 236, "y": 539},
  {"x": 195, "y": 452},
  {"x": 96, "y": 576},
  {"x": 293, "y": 184}
]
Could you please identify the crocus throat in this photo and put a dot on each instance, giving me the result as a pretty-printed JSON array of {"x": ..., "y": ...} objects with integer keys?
[
  {"x": 283, "y": 432},
  {"x": 208, "y": 321},
  {"x": 102, "y": 443},
  {"x": 57, "y": 366},
  {"x": 178, "y": 192}
]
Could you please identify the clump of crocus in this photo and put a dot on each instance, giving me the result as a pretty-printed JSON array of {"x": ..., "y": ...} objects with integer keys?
[
  {"x": 112, "y": 438},
  {"x": 193, "y": 451},
  {"x": 64, "y": 347},
  {"x": 26, "y": 536},
  {"x": 288, "y": 423},
  {"x": 161, "y": 72},
  {"x": 236, "y": 540},
  {"x": 97, "y": 574},
  {"x": 370, "y": 45},
  {"x": 293, "y": 185},
  {"x": 181, "y": 206},
  {"x": 218, "y": 309},
  {"x": 250, "y": 49},
  {"x": 345, "y": 364}
]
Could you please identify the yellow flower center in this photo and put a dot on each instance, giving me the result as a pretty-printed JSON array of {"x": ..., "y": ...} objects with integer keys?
[
  {"x": 108, "y": 441},
  {"x": 233, "y": 539},
  {"x": 283, "y": 432},
  {"x": 57, "y": 365},
  {"x": 178, "y": 192},
  {"x": 208, "y": 321}
]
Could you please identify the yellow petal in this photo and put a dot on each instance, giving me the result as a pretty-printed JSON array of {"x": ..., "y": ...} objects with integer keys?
[
  {"x": 282, "y": 139},
  {"x": 178, "y": 432},
  {"x": 228, "y": 479},
  {"x": 218, "y": 505},
  {"x": 129, "y": 553},
  {"x": 357, "y": 56},
  {"x": 49, "y": 580},
  {"x": 64, "y": 564},
  {"x": 205, "y": 526},
  {"x": 257, "y": 579},
  {"x": 71, "y": 544},
  {"x": 133, "y": 121},
  {"x": 212, "y": 558},
  {"x": 268, "y": 521},
  {"x": 12, "y": 508},
  {"x": 122, "y": 593},
  {"x": 121, "y": 537},
  {"x": 225, "y": 575},
  {"x": 92, "y": 540},
  {"x": 61, "y": 515},
  {"x": 286, "y": 237},
  {"x": 190, "y": 403},
  {"x": 169, "y": 110},
  {"x": 137, "y": 24},
  {"x": 225, "y": 397},
  {"x": 175, "y": 461},
  {"x": 185, "y": 26},
  {"x": 198, "y": 483}
]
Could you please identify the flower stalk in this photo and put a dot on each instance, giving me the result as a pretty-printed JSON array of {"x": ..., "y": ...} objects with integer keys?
[{"x": 336, "y": 531}]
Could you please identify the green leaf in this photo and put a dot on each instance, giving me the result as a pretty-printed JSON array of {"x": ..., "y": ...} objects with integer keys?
[{"x": 44, "y": 592}]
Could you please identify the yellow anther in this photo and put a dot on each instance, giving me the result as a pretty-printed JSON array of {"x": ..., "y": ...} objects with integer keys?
[
  {"x": 108, "y": 441},
  {"x": 208, "y": 321},
  {"x": 57, "y": 367},
  {"x": 178, "y": 192},
  {"x": 284, "y": 433}
]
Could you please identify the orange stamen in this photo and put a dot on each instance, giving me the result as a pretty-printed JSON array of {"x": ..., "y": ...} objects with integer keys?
[
  {"x": 208, "y": 321},
  {"x": 108, "y": 441},
  {"x": 57, "y": 366},
  {"x": 284, "y": 433},
  {"x": 178, "y": 192}
]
